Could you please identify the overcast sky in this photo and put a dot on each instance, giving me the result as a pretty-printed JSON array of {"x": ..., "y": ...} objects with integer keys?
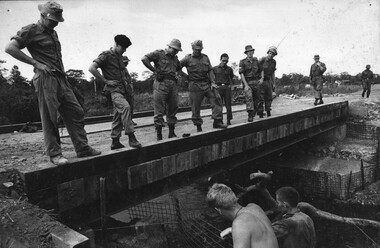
[{"x": 345, "y": 33}]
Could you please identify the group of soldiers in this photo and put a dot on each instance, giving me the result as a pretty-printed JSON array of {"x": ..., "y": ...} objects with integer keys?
[{"x": 56, "y": 97}]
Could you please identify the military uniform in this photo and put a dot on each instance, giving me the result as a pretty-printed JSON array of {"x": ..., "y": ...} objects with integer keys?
[
  {"x": 223, "y": 78},
  {"x": 165, "y": 89},
  {"x": 268, "y": 66},
  {"x": 251, "y": 72},
  {"x": 200, "y": 87},
  {"x": 367, "y": 77},
  {"x": 113, "y": 68},
  {"x": 53, "y": 90},
  {"x": 317, "y": 80}
]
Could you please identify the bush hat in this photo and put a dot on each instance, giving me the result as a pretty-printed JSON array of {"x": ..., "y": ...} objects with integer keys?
[
  {"x": 197, "y": 44},
  {"x": 122, "y": 40},
  {"x": 176, "y": 44},
  {"x": 272, "y": 49},
  {"x": 52, "y": 10},
  {"x": 248, "y": 48}
]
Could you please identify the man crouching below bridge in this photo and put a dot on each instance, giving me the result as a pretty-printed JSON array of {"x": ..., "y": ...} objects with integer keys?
[{"x": 250, "y": 225}]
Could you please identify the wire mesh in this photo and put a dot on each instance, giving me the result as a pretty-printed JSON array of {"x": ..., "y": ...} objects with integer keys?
[{"x": 169, "y": 224}]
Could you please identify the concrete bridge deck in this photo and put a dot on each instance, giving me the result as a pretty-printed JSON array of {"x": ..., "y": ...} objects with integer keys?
[{"x": 135, "y": 175}]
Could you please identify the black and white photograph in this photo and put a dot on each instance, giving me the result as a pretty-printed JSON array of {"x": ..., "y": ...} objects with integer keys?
[{"x": 190, "y": 124}]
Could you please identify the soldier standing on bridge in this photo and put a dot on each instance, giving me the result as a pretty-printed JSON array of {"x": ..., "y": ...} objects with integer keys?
[
  {"x": 165, "y": 88},
  {"x": 53, "y": 90},
  {"x": 114, "y": 78},
  {"x": 367, "y": 77},
  {"x": 267, "y": 80},
  {"x": 316, "y": 79},
  {"x": 249, "y": 72},
  {"x": 223, "y": 78},
  {"x": 200, "y": 75}
]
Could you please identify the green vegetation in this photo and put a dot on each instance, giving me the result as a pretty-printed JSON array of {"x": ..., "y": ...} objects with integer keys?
[{"x": 18, "y": 102}]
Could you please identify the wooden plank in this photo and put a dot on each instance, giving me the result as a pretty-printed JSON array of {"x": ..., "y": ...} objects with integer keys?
[
  {"x": 70, "y": 194},
  {"x": 137, "y": 175}
]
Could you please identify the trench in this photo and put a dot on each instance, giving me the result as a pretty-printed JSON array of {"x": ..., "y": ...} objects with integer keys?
[{"x": 333, "y": 183}]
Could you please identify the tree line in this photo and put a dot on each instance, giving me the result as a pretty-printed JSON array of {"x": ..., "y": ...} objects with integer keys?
[{"x": 18, "y": 101}]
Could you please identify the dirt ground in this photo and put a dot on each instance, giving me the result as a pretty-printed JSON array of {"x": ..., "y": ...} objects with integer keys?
[{"x": 25, "y": 151}]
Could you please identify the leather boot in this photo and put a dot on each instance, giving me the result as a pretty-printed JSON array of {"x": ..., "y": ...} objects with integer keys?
[
  {"x": 250, "y": 116},
  {"x": 228, "y": 122},
  {"x": 320, "y": 101},
  {"x": 268, "y": 113},
  {"x": 159, "y": 133},
  {"x": 116, "y": 144},
  {"x": 199, "y": 128},
  {"x": 133, "y": 141},
  {"x": 261, "y": 114},
  {"x": 316, "y": 102},
  {"x": 218, "y": 124},
  {"x": 171, "y": 132}
]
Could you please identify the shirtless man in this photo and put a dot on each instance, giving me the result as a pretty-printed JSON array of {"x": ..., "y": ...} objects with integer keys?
[{"x": 250, "y": 226}]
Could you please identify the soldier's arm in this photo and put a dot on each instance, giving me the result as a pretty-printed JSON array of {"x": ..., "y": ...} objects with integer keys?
[{"x": 13, "y": 49}]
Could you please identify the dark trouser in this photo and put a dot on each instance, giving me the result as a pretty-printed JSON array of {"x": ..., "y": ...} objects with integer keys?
[
  {"x": 199, "y": 90},
  {"x": 318, "y": 85},
  {"x": 366, "y": 84},
  {"x": 55, "y": 95},
  {"x": 225, "y": 94},
  {"x": 121, "y": 115},
  {"x": 130, "y": 99},
  {"x": 253, "y": 97},
  {"x": 266, "y": 90},
  {"x": 165, "y": 95}
]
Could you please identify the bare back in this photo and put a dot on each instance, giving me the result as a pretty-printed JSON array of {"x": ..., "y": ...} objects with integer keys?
[{"x": 252, "y": 229}]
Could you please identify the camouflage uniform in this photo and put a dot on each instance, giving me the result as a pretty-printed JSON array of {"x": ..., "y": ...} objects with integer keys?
[
  {"x": 367, "y": 77},
  {"x": 251, "y": 72}
]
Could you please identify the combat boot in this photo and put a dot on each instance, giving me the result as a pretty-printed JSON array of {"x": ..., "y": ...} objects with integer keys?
[
  {"x": 316, "y": 102},
  {"x": 159, "y": 132},
  {"x": 268, "y": 113},
  {"x": 171, "y": 132},
  {"x": 261, "y": 114},
  {"x": 133, "y": 141},
  {"x": 199, "y": 128},
  {"x": 228, "y": 122},
  {"x": 250, "y": 116},
  {"x": 320, "y": 101},
  {"x": 116, "y": 144},
  {"x": 218, "y": 124}
]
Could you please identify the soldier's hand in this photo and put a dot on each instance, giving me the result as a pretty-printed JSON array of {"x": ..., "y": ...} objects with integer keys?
[
  {"x": 214, "y": 85},
  {"x": 111, "y": 82},
  {"x": 225, "y": 232},
  {"x": 42, "y": 67}
]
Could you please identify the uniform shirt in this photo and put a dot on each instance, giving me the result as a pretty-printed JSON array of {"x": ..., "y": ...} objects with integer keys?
[
  {"x": 250, "y": 69},
  {"x": 42, "y": 44},
  {"x": 113, "y": 68},
  {"x": 223, "y": 74},
  {"x": 164, "y": 62},
  {"x": 197, "y": 67},
  {"x": 268, "y": 66},
  {"x": 315, "y": 71},
  {"x": 367, "y": 74},
  {"x": 295, "y": 230}
]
